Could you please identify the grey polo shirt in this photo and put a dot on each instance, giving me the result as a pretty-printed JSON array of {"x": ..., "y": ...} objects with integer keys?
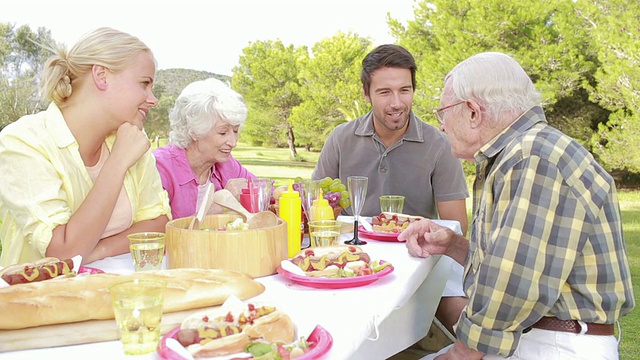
[{"x": 419, "y": 165}]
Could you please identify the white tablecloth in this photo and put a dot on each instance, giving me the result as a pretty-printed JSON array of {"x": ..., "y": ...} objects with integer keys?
[{"x": 370, "y": 322}]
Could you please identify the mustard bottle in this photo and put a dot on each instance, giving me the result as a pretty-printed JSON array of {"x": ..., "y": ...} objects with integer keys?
[
  {"x": 290, "y": 205},
  {"x": 320, "y": 209}
]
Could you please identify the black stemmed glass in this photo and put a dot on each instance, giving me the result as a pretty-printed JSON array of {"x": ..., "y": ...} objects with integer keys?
[{"x": 357, "y": 186}]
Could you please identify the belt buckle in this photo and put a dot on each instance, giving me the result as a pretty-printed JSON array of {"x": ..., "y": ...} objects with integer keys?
[{"x": 584, "y": 328}]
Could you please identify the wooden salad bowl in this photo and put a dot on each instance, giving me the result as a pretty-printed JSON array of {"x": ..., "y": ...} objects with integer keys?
[{"x": 256, "y": 252}]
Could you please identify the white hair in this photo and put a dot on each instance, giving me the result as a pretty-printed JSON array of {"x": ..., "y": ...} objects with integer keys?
[
  {"x": 200, "y": 105},
  {"x": 496, "y": 81}
]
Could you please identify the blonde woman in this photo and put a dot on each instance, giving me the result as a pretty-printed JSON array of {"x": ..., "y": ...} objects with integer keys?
[{"x": 79, "y": 176}]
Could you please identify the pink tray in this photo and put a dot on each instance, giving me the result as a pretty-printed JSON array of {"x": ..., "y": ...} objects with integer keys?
[
  {"x": 335, "y": 283},
  {"x": 89, "y": 270},
  {"x": 377, "y": 236}
]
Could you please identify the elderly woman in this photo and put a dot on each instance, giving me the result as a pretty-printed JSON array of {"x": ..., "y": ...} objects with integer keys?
[{"x": 205, "y": 121}]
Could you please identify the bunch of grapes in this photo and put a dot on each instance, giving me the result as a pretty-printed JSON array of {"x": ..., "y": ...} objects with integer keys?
[{"x": 335, "y": 192}]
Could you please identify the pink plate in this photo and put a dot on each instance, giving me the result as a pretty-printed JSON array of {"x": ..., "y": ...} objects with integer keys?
[
  {"x": 89, "y": 270},
  {"x": 335, "y": 283},
  {"x": 319, "y": 339},
  {"x": 377, "y": 236}
]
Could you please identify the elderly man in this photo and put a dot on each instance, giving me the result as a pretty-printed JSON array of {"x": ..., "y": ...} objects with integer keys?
[{"x": 546, "y": 269}]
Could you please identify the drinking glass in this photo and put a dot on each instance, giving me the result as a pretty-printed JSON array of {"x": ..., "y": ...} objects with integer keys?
[
  {"x": 392, "y": 203},
  {"x": 357, "y": 187},
  {"x": 147, "y": 250},
  {"x": 260, "y": 190},
  {"x": 137, "y": 306},
  {"x": 308, "y": 192},
  {"x": 324, "y": 233}
]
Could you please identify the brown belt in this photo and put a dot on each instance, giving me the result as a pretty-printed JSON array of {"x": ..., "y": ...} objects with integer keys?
[{"x": 572, "y": 326}]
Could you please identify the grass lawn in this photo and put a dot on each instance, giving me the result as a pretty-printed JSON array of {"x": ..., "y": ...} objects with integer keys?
[
  {"x": 276, "y": 164},
  {"x": 630, "y": 207}
]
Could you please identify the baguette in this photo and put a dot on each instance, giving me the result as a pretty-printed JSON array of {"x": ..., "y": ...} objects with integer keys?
[{"x": 81, "y": 298}]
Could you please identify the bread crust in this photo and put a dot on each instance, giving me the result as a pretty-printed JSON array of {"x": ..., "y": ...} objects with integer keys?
[
  {"x": 80, "y": 298},
  {"x": 227, "y": 345}
]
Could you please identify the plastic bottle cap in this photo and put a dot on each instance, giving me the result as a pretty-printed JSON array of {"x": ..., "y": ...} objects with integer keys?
[{"x": 290, "y": 192}]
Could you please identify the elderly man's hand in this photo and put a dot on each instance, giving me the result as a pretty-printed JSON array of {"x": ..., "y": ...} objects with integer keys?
[{"x": 425, "y": 238}]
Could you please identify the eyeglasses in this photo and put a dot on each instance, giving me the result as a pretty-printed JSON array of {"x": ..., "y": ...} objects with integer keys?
[{"x": 439, "y": 113}]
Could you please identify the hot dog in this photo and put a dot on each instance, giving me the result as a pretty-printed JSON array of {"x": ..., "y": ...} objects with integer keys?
[
  {"x": 43, "y": 269},
  {"x": 216, "y": 333},
  {"x": 392, "y": 223},
  {"x": 328, "y": 260}
]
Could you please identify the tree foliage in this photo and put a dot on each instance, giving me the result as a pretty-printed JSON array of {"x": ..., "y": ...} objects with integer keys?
[
  {"x": 21, "y": 58},
  {"x": 331, "y": 79},
  {"x": 615, "y": 29},
  {"x": 294, "y": 94},
  {"x": 267, "y": 77}
]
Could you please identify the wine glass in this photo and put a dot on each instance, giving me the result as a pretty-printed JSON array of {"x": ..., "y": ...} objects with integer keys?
[
  {"x": 308, "y": 192},
  {"x": 357, "y": 186}
]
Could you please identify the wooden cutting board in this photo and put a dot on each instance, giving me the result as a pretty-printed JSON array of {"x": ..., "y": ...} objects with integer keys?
[{"x": 78, "y": 332}]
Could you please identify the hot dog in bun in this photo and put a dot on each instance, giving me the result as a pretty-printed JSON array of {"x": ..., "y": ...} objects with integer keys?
[
  {"x": 39, "y": 270},
  {"x": 331, "y": 260},
  {"x": 392, "y": 223},
  {"x": 216, "y": 333}
]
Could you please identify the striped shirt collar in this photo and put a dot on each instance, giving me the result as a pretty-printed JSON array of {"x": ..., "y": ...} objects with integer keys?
[{"x": 526, "y": 121}]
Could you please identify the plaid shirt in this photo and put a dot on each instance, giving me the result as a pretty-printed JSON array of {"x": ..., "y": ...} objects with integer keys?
[{"x": 546, "y": 238}]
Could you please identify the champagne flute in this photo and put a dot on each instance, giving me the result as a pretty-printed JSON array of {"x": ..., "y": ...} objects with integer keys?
[
  {"x": 308, "y": 192},
  {"x": 357, "y": 186}
]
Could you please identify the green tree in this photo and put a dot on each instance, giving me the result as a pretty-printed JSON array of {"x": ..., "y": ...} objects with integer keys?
[
  {"x": 267, "y": 78},
  {"x": 543, "y": 36},
  {"x": 331, "y": 87},
  {"x": 157, "y": 124},
  {"x": 615, "y": 29},
  {"x": 21, "y": 59}
]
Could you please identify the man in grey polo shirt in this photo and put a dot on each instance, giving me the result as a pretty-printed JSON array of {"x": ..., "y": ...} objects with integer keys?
[{"x": 401, "y": 155}]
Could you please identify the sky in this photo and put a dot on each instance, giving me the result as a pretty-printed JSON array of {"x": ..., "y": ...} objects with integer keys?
[{"x": 209, "y": 35}]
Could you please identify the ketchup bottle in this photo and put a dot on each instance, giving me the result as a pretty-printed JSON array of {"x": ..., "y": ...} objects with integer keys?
[
  {"x": 245, "y": 200},
  {"x": 290, "y": 205}
]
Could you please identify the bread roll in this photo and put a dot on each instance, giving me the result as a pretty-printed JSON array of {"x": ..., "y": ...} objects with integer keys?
[
  {"x": 275, "y": 328},
  {"x": 81, "y": 298}
]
